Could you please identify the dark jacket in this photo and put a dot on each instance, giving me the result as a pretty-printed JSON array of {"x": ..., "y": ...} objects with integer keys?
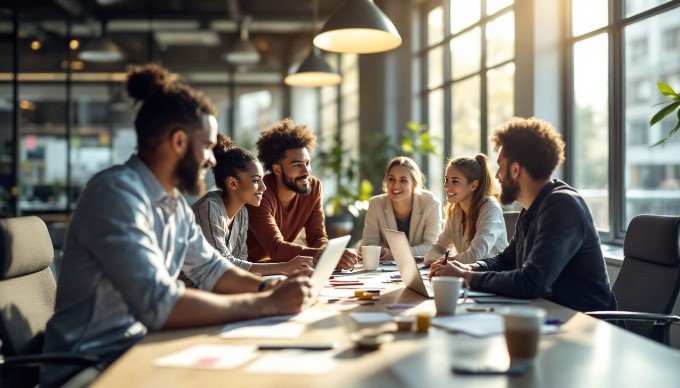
[{"x": 555, "y": 254}]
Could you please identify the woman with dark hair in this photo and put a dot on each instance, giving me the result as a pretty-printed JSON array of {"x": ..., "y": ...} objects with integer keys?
[
  {"x": 405, "y": 206},
  {"x": 222, "y": 215},
  {"x": 474, "y": 228}
]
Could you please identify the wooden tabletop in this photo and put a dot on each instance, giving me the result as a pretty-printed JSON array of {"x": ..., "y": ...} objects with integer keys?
[{"x": 586, "y": 353}]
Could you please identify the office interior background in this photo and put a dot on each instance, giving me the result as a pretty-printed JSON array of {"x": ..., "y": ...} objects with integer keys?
[{"x": 589, "y": 67}]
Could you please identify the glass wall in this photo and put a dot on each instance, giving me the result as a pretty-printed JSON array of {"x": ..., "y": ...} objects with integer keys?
[
  {"x": 470, "y": 75},
  {"x": 6, "y": 122},
  {"x": 618, "y": 55}
]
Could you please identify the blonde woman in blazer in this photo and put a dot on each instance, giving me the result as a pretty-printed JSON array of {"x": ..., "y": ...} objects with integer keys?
[{"x": 405, "y": 206}]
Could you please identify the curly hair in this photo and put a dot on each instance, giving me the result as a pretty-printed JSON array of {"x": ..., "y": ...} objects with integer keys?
[
  {"x": 166, "y": 104},
  {"x": 474, "y": 169},
  {"x": 230, "y": 160},
  {"x": 412, "y": 167},
  {"x": 533, "y": 143},
  {"x": 281, "y": 137}
]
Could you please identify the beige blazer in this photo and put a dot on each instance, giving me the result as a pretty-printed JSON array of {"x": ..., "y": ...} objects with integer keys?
[{"x": 426, "y": 220}]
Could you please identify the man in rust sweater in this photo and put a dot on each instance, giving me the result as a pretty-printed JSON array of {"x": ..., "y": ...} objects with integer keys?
[{"x": 292, "y": 200}]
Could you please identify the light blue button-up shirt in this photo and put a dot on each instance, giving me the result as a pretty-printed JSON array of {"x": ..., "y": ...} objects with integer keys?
[{"x": 125, "y": 246}]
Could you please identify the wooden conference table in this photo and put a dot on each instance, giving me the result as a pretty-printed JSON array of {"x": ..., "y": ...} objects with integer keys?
[{"x": 586, "y": 353}]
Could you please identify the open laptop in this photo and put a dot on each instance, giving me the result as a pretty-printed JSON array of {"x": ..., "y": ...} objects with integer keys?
[
  {"x": 410, "y": 274},
  {"x": 326, "y": 264}
]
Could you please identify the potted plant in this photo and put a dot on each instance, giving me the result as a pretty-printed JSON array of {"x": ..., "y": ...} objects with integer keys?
[
  {"x": 351, "y": 197},
  {"x": 667, "y": 110}
]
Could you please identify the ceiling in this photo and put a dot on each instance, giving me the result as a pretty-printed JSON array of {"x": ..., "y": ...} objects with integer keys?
[{"x": 187, "y": 36}]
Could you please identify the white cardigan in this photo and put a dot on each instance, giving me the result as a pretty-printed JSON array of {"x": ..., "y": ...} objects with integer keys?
[
  {"x": 489, "y": 240},
  {"x": 426, "y": 219}
]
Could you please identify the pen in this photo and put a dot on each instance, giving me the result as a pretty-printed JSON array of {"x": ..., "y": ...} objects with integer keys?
[
  {"x": 552, "y": 321},
  {"x": 480, "y": 309},
  {"x": 302, "y": 346},
  {"x": 446, "y": 258}
]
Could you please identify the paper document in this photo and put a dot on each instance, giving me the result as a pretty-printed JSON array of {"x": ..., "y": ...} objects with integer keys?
[
  {"x": 480, "y": 325},
  {"x": 209, "y": 357},
  {"x": 305, "y": 362},
  {"x": 371, "y": 317},
  {"x": 278, "y": 330},
  {"x": 279, "y": 326},
  {"x": 501, "y": 300}
]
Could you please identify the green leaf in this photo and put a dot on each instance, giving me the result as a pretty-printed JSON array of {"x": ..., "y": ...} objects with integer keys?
[
  {"x": 672, "y": 132},
  {"x": 664, "y": 112},
  {"x": 667, "y": 90}
]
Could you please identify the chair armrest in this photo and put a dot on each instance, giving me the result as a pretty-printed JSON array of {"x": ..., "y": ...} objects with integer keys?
[
  {"x": 50, "y": 358},
  {"x": 659, "y": 319}
]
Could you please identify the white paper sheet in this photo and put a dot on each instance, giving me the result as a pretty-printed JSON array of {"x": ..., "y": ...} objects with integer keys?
[
  {"x": 480, "y": 325},
  {"x": 209, "y": 357},
  {"x": 280, "y": 326},
  {"x": 279, "y": 330},
  {"x": 371, "y": 317},
  {"x": 299, "y": 362}
]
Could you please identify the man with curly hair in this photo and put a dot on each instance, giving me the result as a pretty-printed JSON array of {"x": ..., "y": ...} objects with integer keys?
[
  {"x": 292, "y": 201},
  {"x": 555, "y": 253}
]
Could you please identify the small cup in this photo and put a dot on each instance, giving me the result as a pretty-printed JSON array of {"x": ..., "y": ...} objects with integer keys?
[
  {"x": 423, "y": 322},
  {"x": 446, "y": 293},
  {"x": 404, "y": 322},
  {"x": 523, "y": 332},
  {"x": 370, "y": 254}
]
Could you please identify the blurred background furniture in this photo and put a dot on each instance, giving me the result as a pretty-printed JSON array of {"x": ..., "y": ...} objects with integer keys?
[
  {"x": 648, "y": 284},
  {"x": 27, "y": 298}
]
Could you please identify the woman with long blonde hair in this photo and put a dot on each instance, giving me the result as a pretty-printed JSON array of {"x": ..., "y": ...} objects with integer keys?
[{"x": 474, "y": 228}]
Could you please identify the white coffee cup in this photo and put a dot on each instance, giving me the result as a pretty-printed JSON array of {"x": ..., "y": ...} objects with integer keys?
[
  {"x": 370, "y": 254},
  {"x": 522, "y": 332},
  {"x": 446, "y": 293}
]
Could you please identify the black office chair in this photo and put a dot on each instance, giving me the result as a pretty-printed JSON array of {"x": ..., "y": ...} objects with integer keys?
[
  {"x": 27, "y": 297},
  {"x": 648, "y": 283},
  {"x": 510, "y": 218}
]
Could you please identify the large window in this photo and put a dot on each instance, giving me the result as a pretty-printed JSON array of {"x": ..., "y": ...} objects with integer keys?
[
  {"x": 619, "y": 51},
  {"x": 469, "y": 82}
]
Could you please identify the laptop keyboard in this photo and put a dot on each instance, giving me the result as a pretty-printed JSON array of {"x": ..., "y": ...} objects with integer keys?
[{"x": 428, "y": 288}]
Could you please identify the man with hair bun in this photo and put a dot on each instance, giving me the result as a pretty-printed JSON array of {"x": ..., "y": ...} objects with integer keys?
[
  {"x": 555, "y": 253},
  {"x": 292, "y": 201},
  {"x": 132, "y": 232}
]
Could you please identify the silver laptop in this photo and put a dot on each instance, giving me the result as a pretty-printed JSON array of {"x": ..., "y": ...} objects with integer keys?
[
  {"x": 327, "y": 262},
  {"x": 410, "y": 274}
]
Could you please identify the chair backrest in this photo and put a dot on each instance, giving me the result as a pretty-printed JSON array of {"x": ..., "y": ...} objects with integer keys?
[
  {"x": 510, "y": 218},
  {"x": 27, "y": 287},
  {"x": 649, "y": 279}
]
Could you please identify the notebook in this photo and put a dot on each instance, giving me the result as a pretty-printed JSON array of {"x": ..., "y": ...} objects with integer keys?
[
  {"x": 327, "y": 262},
  {"x": 410, "y": 274}
]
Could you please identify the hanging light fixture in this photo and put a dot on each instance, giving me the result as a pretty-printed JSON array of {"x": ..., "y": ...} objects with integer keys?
[
  {"x": 314, "y": 70},
  {"x": 358, "y": 27},
  {"x": 243, "y": 52},
  {"x": 101, "y": 50}
]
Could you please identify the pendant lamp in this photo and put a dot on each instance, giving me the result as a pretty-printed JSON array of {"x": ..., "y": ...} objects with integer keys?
[
  {"x": 101, "y": 50},
  {"x": 358, "y": 27},
  {"x": 314, "y": 70},
  {"x": 243, "y": 52}
]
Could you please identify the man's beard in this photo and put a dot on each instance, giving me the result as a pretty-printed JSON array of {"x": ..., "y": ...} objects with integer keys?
[
  {"x": 188, "y": 173},
  {"x": 509, "y": 189},
  {"x": 291, "y": 184}
]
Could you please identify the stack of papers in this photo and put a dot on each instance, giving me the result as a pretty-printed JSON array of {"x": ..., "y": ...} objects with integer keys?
[
  {"x": 280, "y": 326},
  {"x": 480, "y": 325},
  {"x": 209, "y": 357}
]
